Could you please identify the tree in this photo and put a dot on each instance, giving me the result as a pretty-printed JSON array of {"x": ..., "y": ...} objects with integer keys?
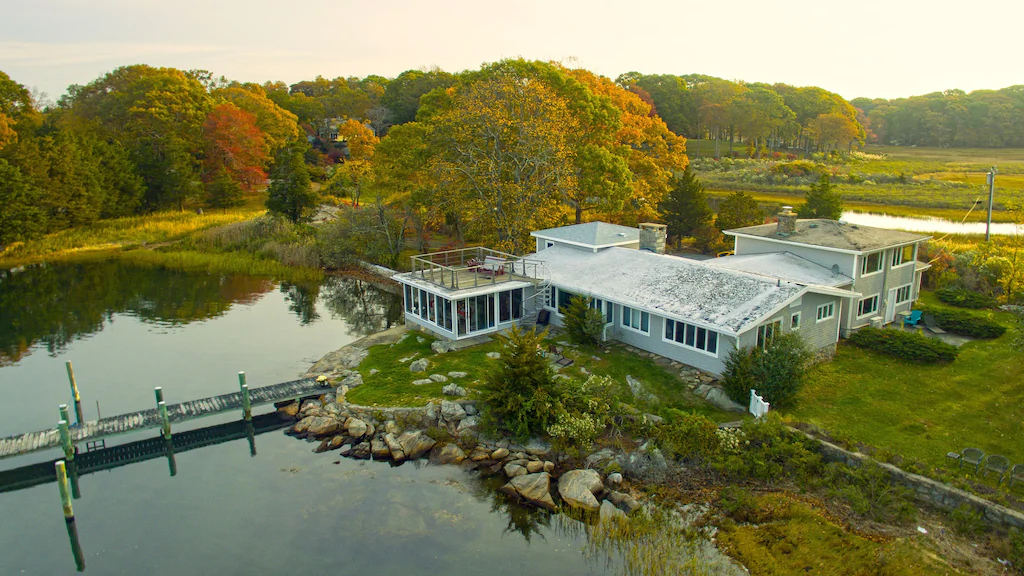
[
  {"x": 20, "y": 216},
  {"x": 822, "y": 201},
  {"x": 7, "y": 133},
  {"x": 291, "y": 193},
  {"x": 834, "y": 131},
  {"x": 583, "y": 323},
  {"x": 686, "y": 208},
  {"x": 360, "y": 139},
  {"x": 737, "y": 211},
  {"x": 402, "y": 95},
  {"x": 518, "y": 393},
  {"x": 776, "y": 370},
  {"x": 223, "y": 191},
  {"x": 235, "y": 146},
  {"x": 278, "y": 125}
]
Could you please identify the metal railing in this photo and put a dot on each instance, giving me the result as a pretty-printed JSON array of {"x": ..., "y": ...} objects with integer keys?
[{"x": 469, "y": 267}]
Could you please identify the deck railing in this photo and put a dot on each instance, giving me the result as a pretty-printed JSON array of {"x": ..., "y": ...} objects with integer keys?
[{"x": 477, "y": 266}]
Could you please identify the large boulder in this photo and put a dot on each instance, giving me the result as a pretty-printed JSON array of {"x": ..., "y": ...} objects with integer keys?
[
  {"x": 609, "y": 513},
  {"x": 379, "y": 449},
  {"x": 318, "y": 426},
  {"x": 512, "y": 470},
  {"x": 720, "y": 399},
  {"x": 453, "y": 389},
  {"x": 395, "y": 447},
  {"x": 499, "y": 454},
  {"x": 452, "y": 411},
  {"x": 624, "y": 501},
  {"x": 534, "y": 488},
  {"x": 468, "y": 425},
  {"x": 577, "y": 489},
  {"x": 361, "y": 451},
  {"x": 419, "y": 365},
  {"x": 415, "y": 444},
  {"x": 289, "y": 412},
  {"x": 441, "y": 346},
  {"x": 356, "y": 428},
  {"x": 352, "y": 380},
  {"x": 438, "y": 377},
  {"x": 537, "y": 447},
  {"x": 447, "y": 454}
]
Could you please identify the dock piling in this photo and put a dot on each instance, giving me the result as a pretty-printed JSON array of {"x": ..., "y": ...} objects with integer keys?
[
  {"x": 172, "y": 465},
  {"x": 159, "y": 393},
  {"x": 165, "y": 426},
  {"x": 65, "y": 437},
  {"x": 65, "y": 494},
  {"x": 75, "y": 393},
  {"x": 246, "y": 405}
]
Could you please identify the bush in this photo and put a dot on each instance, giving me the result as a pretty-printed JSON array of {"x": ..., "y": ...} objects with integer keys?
[
  {"x": 966, "y": 323},
  {"x": 584, "y": 410},
  {"x": 1016, "y": 539},
  {"x": 770, "y": 452},
  {"x": 686, "y": 436},
  {"x": 906, "y": 345},
  {"x": 776, "y": 371},
  {"x": 583, "y": 324},
  {"x": 967, "y": 520},
  {"x": 519, "y": 392},
  {"x": 965, "y": 298},
  {"x": 870, "y": 492}
]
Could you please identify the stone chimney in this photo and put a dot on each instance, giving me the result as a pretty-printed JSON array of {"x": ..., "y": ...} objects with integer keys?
[
  {"x": 787, "y": 221},
  {"x": 652, "y": 237}
]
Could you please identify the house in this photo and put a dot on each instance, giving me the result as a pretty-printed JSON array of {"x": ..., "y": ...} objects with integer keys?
[{"x": 878, "y": 264}]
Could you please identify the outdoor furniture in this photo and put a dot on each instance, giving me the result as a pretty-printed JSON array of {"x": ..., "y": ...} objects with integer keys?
[
  {"x": 915, "y": 317},
  {"x": 997, "y": 464},
  {"x": 543, "y": 317},
  {"x": 559, "y": 359},
  {"x": 929, "y": 321},
  {"x": 954, "y": 456},
  {"x": 972, "y": 456},
  {"x": 492, "y": 266},
  {"x": 1017, "y": 474}
]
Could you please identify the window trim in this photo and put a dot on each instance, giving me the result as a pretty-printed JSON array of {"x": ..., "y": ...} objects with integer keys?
[
  {"x": 910, "y": 294},
  {"x": 876, "y": 297},
  {"x": 622, "y": 320},
  {"x": 771, "y": 322},
  {"x": 864, "y": 263},
  {"x": 818, "y": 318},
  {"x": 799, "y": 320},
  {"x": 718, "y": 337},
  {"x": 899, "y": 250}
]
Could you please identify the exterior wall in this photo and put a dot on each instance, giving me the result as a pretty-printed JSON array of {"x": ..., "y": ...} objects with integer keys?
[
  {"x": 530, "y": 307},
  {"x": 881, "y": 283},
  {"x": 543, "y": 244},
  {"x": 826, "y": 258},
  {"x": 817, "y": 335},
  {"x": 655, "y": 342}
]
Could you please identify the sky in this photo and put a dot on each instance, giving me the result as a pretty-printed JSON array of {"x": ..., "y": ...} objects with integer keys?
[{"x": 872, "y": 48}]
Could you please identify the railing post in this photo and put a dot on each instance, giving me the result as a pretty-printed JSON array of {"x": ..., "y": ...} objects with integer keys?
[{"x": 246, "y": 406}]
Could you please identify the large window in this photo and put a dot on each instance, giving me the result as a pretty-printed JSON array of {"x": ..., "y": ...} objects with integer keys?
[
  {"x": 767, "y": 332},
  {"x": 690, "y": 336},
  {"x": 871, "y": 263},
  {"x": 563, "y": 300},
  {"x": 902, "y": 255},
  {"x": 903, "y": 294},
  {"x": 794, "y": 321},
  {"x": 636, "y": 319},
  {"x": 867, "y": 305},
  {"x": 826, "y": 312},
  {"x": 510, "y": 305},
  {"x": 431, "y": 308},
  {"x": 604, "y": 307}
]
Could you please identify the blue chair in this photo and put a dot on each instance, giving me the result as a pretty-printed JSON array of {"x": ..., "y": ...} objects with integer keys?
[{"x": 914, "y": 318}]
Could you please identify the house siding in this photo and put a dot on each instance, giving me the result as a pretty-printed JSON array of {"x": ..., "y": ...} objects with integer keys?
[
  {"x": 816, "y": 335},
  {"x": 827, "y": 258},
  {"x": 881, "y": 283}
]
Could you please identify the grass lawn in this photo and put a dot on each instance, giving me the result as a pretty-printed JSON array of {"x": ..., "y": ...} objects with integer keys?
[
  {"x": 978, "y": 155},
  {"x": 392, "y": 384},
  {"x": 921, "y": 412}
]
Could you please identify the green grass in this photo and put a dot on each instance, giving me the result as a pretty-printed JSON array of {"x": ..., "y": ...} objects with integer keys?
[
  {"x": 977, "y": 155},
  {"x": 921, "y": 412},
  {"x": 392, "y": 384},
  {"x": 798, "y": 539}
]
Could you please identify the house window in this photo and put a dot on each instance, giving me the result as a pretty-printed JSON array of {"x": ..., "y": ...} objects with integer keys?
[
  {"x": 690, "y": 336},
  {"x": 636, "y": 319},
  {"x": 903, "y": 294},
  {"x": 510, "y": 305},
  {"x": 408, "y": 298},
  {"x": 767, "y": 332},
  {"x": 902, "y": 255},
  {"x": 825, "y": 312},
  {"x": 423, "y": 304},
  {"x": 794, "y": 321},
  {"x": 867, "y": 306},
  {"x": 603, "y": 307},
  {"x": 871, "y": 263},
  {"x": 564, "y": 297}
]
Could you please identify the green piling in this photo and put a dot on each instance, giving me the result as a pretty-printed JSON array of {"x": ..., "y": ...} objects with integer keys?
[
  {"x": 65, "y": 439},
  {"x": 165, "y": 426},
  {"x": 65, "y": 494},
  {"x": 246, "y": 405}
]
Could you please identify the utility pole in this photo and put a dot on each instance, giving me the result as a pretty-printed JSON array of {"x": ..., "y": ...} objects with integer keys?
[{"x": 991, "y": 193}]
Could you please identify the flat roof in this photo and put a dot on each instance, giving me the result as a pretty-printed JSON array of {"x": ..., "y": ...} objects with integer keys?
[
  {"x": 784, "y": 265},
  {"x": 593, "y": 234},
  {"x": 678, "y": 288},
  {"x": 832, "y": 234},
  {"x": 484, "y": 287}
]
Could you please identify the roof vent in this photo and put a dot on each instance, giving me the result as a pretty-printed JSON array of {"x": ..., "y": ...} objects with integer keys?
[
  {"x": 835, "y": 269},
  {"x": 812, "y": 225},
  {"x": 622, "y": 233}
]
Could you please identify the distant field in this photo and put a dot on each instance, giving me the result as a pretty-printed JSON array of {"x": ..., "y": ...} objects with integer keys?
[
  {"x": 1015, "y": 181},
  {"x": 979, "y": 155}
]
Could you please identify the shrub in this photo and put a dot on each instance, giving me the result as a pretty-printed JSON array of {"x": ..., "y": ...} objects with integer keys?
[
  {"x": 583, "y": 324},
  {"x": 967, "y": 520},
  {"x": 585, "y": 410},
  {"x": 966, "y": 323},
  {"x": 1016, "y": 539},
  {"x": 519, "y": 392},
  {"x": 776, "y": 371},
  {"x": 740, "y": 505},
  {"x": 686, "y": 436},
  {"x": 870, "y": 492},
  {"x": 906, "y": 345},
  {"x": 770, "y": 452},
  {"x": 965, "y": 298}
]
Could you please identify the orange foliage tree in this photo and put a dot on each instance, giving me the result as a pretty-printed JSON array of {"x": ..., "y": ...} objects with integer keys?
[{"x": 235, "y": 145}]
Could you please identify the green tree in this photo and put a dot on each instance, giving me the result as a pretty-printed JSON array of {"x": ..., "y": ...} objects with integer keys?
[
  {"x": 223, "y": 191},
  {"x": 583, "y": 324},
  {"x": 20, "y": 216},
  {"x": 291, "y": 192},
  {"x": 822, "y": 201},
  {"x": 686, "y": 208},
  {"x": 737, "y": 211},
  {"x": 775, "y": 371},
  {"x": 518, "y": 393}
]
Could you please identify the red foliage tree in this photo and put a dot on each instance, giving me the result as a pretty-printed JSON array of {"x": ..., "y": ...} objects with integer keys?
[{"x": 235, "y": 145}]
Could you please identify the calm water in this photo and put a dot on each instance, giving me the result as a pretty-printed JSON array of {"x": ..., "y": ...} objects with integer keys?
[
  {"x": 928, "y": 224},
  {"x": 284, "y": 511}
]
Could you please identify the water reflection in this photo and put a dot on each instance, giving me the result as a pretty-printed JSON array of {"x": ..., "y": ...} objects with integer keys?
[{"x": 928, "y": 224}]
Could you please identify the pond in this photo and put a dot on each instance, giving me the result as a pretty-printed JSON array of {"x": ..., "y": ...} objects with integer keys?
[
  {"x": 928, "y": 224},
  {"x": 226, "y": 510}
]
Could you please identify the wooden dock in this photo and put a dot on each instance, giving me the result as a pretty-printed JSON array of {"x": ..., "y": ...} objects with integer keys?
[{"x": 149, "y": 419}]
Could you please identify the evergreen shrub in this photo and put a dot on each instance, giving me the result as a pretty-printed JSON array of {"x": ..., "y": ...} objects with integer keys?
[
  {"x": 965, "y": 298},
  {"x": 906, "y": 345}
]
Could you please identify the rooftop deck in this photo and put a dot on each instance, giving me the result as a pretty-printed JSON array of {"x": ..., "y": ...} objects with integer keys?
[{"x": 472, "y": 267}]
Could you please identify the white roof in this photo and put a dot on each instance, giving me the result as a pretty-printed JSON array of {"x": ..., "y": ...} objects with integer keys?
[
  {"x": 591, "y": 234},
  {"x": 785, "y": 265},
  {"x": 721, "y": 299}
]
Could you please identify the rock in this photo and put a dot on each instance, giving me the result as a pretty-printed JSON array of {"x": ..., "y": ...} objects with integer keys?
[
  {"x": 352, "y": 380},
  {"x": 534, "y": 467},
  {"x": 614, "y": 479},
  {"x": 535, "y": 489},
  {"x": 646, "y": 463},
  {"x": 361, "y": 450},
  {"x": 288, "y": 412},
  {"x": 422, "y": 381},
  {"x": 407, "y": 358},
  {"x": 453, "y": 390},
  {"x": 339, "y": 360},
  {"x": 478, "y": 455},
  {"x": 537, "y": 447},
  {"x": 323, "y": 447},
  {"x": 420, "y": 339},
  {"x": 509, "y": 489},
  {"x": 438, "y": 377},
  {"x": 336, "y": 442},
  {"x": 452, "y": 411},
  {"x": 609, "y": 513},
  {"x": 549, "y": 467},
  {"x": 577, "y": 489},
  {"x": 340, "y": 393},
  {"x": 419, "y": 365},
  {"x": 719, "y": 398},
  {"x": 468, "y": 425},
  {"x": 599, "y": 459},
  {"x": 370, "y": 430},
  {"x": 584, "y": 371},
  {"x": 447, "y": 454},
  {"x": 395, "y": 447},
  {"x": 356, "y": 427},
  {"x": 431, "y": 411},
  {"x": 415, "y": 444},
  {"x": 346, "y": 449},
  {"x": 318, "y": 426},
  {"x": 391, "y": 427},
  {"x": 379, "y": 449},
  {"x": 702, "y": 390},
  {"x": 441, "y": 346},
  {"x": 625, "y": 502},
  {"x": 373, "y": 371},
  {"x": 499, "y": 454},
  {"x": 638, "y": 390},
  {"x": 310, "y": 408},
  {"x": 457, "y": 374},
  {"x": 494, "y": 355},
  {"x": 653, "y": 418},
  {"x": 470, "y": 409},
  {"x": 512, "y": 470}
]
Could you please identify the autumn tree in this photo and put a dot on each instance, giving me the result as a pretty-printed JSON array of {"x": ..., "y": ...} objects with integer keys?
[
  {"x": 737, "y": 211},
  {"x": 234, "y": 145},
  {"x": 834, "y": 131},
  {"x": 291, "y": 193},
  {"x": 686, "y": 208},
  {"x": 279, "y": 126},
  {"x": 822, "y": 201}
]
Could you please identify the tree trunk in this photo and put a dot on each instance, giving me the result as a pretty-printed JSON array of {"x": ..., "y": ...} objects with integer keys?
[{"x": 579, "y": 213}]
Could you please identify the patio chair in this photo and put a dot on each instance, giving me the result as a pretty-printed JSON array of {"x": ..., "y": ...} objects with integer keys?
[
  {"x": 915, "y": 317},
  {"x": 559, "y": 359},
  {"x": 972, "y": 456},
  {"x": 543, "y": 317},
  {"x": 997, "y": 464},
  {"x": 1017, "y": 474},
  {"x": 929, "y": 322}
]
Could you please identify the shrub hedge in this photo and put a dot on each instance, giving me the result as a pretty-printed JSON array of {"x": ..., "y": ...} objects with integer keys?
[
  {"x": 965, "y": 323},
  {"x": 965, "y": 298},
  {"x": 906, "y": 345}
]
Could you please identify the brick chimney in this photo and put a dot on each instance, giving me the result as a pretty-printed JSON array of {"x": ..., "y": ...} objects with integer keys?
[
  {"x": 652, "y": 237},
  {"x": 787, "y": 221}
]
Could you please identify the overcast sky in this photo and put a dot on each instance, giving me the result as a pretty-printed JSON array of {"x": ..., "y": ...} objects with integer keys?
[{"x": 875, "y": 48}]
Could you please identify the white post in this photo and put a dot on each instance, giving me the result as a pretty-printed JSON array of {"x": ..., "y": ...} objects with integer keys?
[{"x": 758, "y": 407}]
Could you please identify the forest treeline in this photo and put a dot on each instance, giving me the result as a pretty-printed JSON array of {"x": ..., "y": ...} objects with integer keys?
[{"x": 485, "y": 154}]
